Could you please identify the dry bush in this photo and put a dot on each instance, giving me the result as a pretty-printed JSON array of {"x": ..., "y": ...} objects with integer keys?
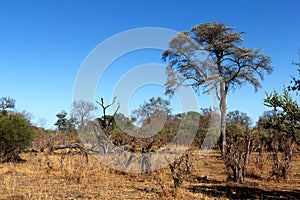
[
  {"x": 75, "y": 168},
  {"x": 45, "y": 139}
]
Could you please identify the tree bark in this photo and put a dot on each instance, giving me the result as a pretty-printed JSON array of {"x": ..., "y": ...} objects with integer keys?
[
  {"x": 247, "y": 157},
  {"x": 223, "y": 118}
]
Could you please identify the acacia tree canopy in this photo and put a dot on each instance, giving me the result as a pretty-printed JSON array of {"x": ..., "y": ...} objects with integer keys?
[
  {"x": 211, "y": 56},
  {"x": 213, "y": 51}
]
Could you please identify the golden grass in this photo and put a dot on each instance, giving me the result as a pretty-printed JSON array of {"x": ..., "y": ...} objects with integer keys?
[{"x": 54, "y": 176}]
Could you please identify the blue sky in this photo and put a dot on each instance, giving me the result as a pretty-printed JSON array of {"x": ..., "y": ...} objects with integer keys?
[{"x": 43, "y": 44}]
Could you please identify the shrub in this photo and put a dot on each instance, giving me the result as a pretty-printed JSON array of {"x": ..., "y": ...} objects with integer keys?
[{"x": 16, "y": 134}]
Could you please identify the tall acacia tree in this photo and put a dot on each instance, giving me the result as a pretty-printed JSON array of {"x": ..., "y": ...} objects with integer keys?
[{"x": 211, "y": 55}]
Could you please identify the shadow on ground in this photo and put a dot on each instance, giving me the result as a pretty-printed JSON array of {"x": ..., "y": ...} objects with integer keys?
[{"x": 215, "y": 189}]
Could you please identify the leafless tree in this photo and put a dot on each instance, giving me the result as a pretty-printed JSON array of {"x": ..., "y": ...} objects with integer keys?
[
  {"x": 81, "y": 110},
  {"x": 41, "y": 122}
]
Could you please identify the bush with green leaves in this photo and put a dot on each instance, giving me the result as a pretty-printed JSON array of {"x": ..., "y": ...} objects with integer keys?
[
  {"x": 280, "y": 132},
  {"x": 239, "y": 145},
  {"x": 16, "y": 134}
]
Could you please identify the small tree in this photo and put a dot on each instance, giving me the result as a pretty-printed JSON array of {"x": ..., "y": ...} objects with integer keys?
[
  {"x": 63, "y": 123},
  {"x": 239, "y": 144},
  {"x": 16, "y": 134},
  {"x": 104, "y": 126},
  {"x": 282, "y": 127},
  {"x": 81, "y": 111}
]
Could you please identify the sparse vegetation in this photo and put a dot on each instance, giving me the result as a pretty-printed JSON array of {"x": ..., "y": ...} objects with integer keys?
[
  {"x": 261, "y": 160},
  {"x": 59, "y": 175},
  {"x": 63, "y": 157}
]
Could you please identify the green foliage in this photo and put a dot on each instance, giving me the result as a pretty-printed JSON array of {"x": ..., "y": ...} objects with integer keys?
[
  {"x": 63, "y": 123},
  {"x": 285, "y": 114},
  {"x": 239, "y": 145},
  {"x": 279, "y": 129},
  {"x": 239, "y": 117},
  {"x": 235, "y": 130},
  {"x": 108, "y": 118},
  {"x": 188, "y": 128},
  {"x": 238, "y": 124},
  {"x": 16, "y": 134},
  {"x": 121, "y": 126}
]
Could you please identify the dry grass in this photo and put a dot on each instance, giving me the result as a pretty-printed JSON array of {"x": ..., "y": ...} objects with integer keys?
[{"x": 55, "y": 176}]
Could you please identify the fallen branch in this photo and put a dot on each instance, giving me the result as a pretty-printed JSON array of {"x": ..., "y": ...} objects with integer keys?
[
  {"x": 75, "y": 146},
  {"x": 78, "y": 150}
]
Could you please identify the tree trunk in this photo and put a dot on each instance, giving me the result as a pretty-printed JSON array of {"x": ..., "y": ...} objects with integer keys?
[
  {"x": 223, "y": 118},
  {"x": 82, "y": 121},
  {"x": 247, "y": 156},
  {"x": 288, "y": 156}
]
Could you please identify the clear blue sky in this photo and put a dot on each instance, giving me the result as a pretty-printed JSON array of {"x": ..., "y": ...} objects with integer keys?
[{"x": 43, "y": 43}]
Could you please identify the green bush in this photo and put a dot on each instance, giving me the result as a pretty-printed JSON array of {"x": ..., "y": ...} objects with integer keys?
[{"x": 16, "y": 134}]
